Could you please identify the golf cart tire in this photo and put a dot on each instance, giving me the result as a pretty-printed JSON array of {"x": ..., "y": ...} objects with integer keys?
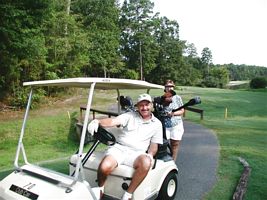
[{"x": 169, "y": 187}]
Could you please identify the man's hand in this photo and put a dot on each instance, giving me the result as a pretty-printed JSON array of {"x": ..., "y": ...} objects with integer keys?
[{"x": 93, "y": 126}]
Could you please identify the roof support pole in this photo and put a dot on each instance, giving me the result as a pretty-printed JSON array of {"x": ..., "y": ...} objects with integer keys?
[
  {"x": 86, "y": 119},
  {"x": 20, "y": 144},
  {"x": 119, "y": 101}
]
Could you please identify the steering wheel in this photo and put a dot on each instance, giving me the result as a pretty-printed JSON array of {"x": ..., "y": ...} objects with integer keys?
[{"x": 104, "y": 136}]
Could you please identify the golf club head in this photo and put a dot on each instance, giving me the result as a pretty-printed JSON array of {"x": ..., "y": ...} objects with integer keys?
[
  {"x": 194, "y": 101},
  {"x": 191, "y": 102},
  {"x": 197, "y": 100}
]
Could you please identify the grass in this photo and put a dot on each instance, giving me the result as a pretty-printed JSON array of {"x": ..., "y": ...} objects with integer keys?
[{"x": 242, "y": 134}]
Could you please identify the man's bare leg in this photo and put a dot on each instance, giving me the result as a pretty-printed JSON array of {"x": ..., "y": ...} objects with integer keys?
[
  {"x": 107, "y": 165},
  {"x": 142, "y": 166}
]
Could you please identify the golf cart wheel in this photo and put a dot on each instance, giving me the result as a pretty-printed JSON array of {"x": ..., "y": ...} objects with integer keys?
[{"x": 169, "y": 187}]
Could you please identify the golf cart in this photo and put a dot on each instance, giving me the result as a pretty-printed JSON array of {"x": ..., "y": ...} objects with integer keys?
[{"x": 30, "y": 181}]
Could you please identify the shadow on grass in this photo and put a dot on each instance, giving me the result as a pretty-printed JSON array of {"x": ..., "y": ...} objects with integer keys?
[
  {"x": 3, "y": 174},
  {"x": 61, "y": 166}
]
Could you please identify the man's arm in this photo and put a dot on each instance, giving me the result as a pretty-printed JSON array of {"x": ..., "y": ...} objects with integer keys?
[
  {"x": 153, "y": 148},
  {"x": 109, "y": 122}
]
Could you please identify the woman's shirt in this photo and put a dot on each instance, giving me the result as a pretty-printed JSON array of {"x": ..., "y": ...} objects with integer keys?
[{"x": 173, "y": 121}]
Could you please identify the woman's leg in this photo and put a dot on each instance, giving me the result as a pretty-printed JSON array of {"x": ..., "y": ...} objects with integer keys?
[{"x": 175, "y": 148}]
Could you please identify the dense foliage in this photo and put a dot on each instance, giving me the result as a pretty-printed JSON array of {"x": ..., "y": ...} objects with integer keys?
[
  {"x": 48, "y": 39},
  {"x": 244, "y": 72},
  {"x": 258, "y": 82}
]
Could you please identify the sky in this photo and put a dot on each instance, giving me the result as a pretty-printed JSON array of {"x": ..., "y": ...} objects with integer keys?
[{"x": 234, "y": 30}]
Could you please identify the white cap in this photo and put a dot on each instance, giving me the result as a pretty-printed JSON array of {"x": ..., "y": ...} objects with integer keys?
[{"x": 144, "y": 97}]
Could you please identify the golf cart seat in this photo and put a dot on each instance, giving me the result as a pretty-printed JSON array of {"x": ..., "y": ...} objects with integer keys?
[{"x": 94, "y": 161}]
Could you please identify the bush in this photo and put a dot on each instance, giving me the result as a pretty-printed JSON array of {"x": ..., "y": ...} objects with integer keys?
[
  {"x": 131, "y": 74},
  {"x": 258, "y": 82},
  {"x": 20, "y": 97}
]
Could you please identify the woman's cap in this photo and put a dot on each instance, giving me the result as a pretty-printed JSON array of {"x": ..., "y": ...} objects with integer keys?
[{"x": 169, "y": 83}]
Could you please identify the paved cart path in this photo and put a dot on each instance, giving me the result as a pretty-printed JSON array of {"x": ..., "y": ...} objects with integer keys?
[{"x": 197, "y": 162}]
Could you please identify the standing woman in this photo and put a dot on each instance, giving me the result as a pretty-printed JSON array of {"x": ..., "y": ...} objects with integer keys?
[{"x": 173, "y": 122}]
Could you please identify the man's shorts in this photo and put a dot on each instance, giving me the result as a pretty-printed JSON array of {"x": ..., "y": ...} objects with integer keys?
[
  {"x": 176, "y": 132},
  {"x": 124, "y": 155}
]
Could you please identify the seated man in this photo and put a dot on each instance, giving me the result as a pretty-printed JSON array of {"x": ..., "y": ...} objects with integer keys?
[{"x": 141, "y": 133}]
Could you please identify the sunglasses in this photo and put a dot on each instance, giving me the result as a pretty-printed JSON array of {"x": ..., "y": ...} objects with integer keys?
[{"x": 169, "y": 86}]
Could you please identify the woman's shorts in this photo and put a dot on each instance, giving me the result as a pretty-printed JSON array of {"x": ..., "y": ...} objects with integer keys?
[
  {"x": 124, "y": 155},
  {"x": 176, "y": 132}
]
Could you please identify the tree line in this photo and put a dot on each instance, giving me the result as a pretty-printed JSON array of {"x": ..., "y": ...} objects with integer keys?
[{"x": 51, "y": 39}]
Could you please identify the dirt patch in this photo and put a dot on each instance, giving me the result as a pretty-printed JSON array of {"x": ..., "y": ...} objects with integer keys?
[
  {"x": 53, "y": 105},
  {"x": 4, "y": 107},
  {"x": 9, "y": 112},
  {"x": 50, "y": 106}
]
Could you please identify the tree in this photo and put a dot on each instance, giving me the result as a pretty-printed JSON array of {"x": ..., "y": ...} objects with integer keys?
[
  {"x": 193, "y": 75},
  {"x": 100, "y": 18},
  {"x": 138, "y": 46},
  {"x": 245, "y": 72},
  {"x": 66, "y": 41},
  {"x": 206, "y": 60},
  {"x": 206, "y": 56},
  {"x": 190, "y": 50},
  {"x": 218, "y": 77},
  {"x": 192, "y": 63},
  {"x": 22, "y": 45},
  {"x": 169, "y": 59}
]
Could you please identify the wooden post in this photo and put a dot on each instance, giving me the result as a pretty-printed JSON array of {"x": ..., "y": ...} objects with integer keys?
[
  {"x": 93, "y": 114},
  {"x": 225, "y": 113}
]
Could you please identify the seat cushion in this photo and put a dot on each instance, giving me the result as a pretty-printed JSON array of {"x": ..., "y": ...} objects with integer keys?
[{"x": 95, "y": 159}]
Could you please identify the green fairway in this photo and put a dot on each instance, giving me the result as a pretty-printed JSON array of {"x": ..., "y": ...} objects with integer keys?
[{"x": 242, "y": 132}]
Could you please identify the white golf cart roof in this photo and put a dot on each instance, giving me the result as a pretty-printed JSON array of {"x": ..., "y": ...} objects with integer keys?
[{"x": 100, "y": 83}]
